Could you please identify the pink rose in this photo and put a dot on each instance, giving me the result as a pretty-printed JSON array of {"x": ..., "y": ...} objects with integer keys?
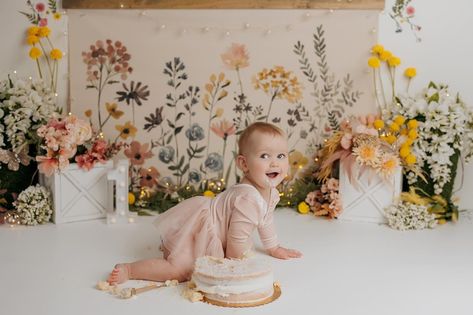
[
  {"x": 43, "y": 22},
  {"x": 40, "y": 7},
  {"x": 410, "y": 10}
]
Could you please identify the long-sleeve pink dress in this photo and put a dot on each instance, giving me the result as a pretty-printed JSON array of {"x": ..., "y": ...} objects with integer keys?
[{"x": 202, "y": 226}]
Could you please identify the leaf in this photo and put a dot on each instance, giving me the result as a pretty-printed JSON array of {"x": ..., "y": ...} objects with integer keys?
[
  {"x": 170, "y": 124},
  {"x": 179, "y": 116},
  {"x": 178, "y": 130},
  {"x": 172, "y": 167},
  {"x": 168, "y": 141},
  {"x": 186, "y": 167},
  {"x": 181, "y": 162},
  {"x": 199, "y": 150}
]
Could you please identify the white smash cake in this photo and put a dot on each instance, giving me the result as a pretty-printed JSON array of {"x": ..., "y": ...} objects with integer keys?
[{"x": 233, "y": 281}]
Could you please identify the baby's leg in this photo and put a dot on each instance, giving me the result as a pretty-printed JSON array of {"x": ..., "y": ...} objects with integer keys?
[{"x": 155, "y": 269}]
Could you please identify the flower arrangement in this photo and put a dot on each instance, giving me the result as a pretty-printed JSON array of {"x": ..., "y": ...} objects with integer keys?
[
  {"x": 34, "y": 205},
  {"x": 72, "y": 138},
  {"x": 42, "y": 51},
  {"x": 409, "y": 216},
  {"x": 324, "y": 201}
]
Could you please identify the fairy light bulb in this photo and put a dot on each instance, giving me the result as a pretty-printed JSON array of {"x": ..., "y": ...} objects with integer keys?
[
  {"x": 247, "y": 25},
  {"x": 205, "y": 29},
  {"x": 122, "y": 5},
  {"x": 268, "y": 32},
  {"x": 162, "y": 26},
  {"x": 227, "y": 33}
]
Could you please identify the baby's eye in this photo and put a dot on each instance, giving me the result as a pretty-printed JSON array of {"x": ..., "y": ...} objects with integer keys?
[
  {"x": 264, "y": 156},
  {"x": 281, "y": 156}
]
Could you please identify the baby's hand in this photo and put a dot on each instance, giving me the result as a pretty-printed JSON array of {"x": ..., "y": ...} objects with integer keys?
[{"x": 284, "y": 253}]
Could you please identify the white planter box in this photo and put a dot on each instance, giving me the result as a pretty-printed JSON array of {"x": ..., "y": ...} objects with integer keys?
[
  {"x": 365, "y": 198},
  {"x": 80, "y": 195}
]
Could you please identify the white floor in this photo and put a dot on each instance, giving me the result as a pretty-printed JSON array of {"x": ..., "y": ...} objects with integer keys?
[{"x": 347, "y": 268}]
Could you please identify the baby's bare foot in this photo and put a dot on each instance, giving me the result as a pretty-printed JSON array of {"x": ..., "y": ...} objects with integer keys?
[{"x": 119, "y": 274}]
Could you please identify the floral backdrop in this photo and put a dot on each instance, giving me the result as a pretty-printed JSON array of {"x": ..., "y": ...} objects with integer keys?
[{"x": 177, "y": 87}]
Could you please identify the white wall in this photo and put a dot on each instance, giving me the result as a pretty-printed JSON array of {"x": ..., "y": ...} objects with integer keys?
[{"x": 443, "y": 55}]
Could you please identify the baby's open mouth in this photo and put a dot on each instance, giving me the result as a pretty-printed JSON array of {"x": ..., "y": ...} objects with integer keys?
[{"x": 272, "y": 174}]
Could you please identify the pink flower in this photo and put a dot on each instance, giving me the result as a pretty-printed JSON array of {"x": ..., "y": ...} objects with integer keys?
[
  {"x": 40, "y": 7},
  {"x": 43, "y": 22},
  {"x": 410, "y": 10},
  {"x": 223, "y": 129},
  {"x": 332, "y": 184},
  {"x": 85, "y": 161},
  {"x": 236, "y": 57},
  {"x": 47, "y": 165},
  {"x": 345, "y": 142}
]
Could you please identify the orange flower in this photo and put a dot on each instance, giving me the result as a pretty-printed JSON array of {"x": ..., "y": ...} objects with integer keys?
[
  {"x": 223, "y": 129},
  {"x": 127, "y": 130},
  {"x": 149, "y": 177},
  {"x": 112, "y": 109},
  {"x": 236, "y": 57},
  {"x": 138, "y": 153}
]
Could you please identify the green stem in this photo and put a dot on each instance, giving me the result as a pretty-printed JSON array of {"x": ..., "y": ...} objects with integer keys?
[
  {"x": 271, "y": 104},
  {"x": 39, "y": 69},
  {"x": 99, "y": 98}
]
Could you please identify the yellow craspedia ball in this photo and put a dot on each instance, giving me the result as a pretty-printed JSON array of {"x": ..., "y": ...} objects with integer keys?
[
  {"x": 35, "y": 52},
  {"x": 394, "y": 127},
  {"x": 410, "y": 159},
  {"x": 408, "y": 142},
  {"x": 33, "y": 30},
  {"x": 385, "y": 55},
  {"x": 403, "y": 131},
  {"x": 57, "y": 16},
  {"x": 44, "y": 31},
  {"x": 410, "y": 72},
  {"x": 412, "y": 134},
  {"x": 56, "y": 54},
  {"x": 412, "y": 124},
  {"x": 399, "y": 120},
  {"x": 374, "y": 62},
  {"x": 303, "y": 207},
  {"x": 378, "y": 124},
  {"x": 394, "y": 61},
  {"x": 391, "y": 139},
  {"x": 32, "y": 39},
  {"x": 377, "y": 49},
  {"x": 209, "y": 193},
  {"x": 404, "y": 151},
  {"x": 441, "y": 221},
  {"x": 131, "y": 198}
]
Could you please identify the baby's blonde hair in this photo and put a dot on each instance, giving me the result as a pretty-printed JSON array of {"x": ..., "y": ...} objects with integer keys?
[{"x": 262, "y": 127}]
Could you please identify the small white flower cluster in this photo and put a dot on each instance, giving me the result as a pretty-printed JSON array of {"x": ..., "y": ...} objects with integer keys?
[
  {"x": 446, "y": 127},
  {"x": 34, "y": 205},
  {"x": 25, "y": 105},
  {"x": 408, "y": 216}
]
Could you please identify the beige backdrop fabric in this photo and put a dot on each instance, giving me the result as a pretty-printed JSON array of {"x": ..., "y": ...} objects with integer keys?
[{"x": 188, "y": 75}]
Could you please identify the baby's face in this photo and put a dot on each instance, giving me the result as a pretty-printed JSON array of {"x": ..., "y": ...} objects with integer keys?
[{"x": 266, "y": 159}]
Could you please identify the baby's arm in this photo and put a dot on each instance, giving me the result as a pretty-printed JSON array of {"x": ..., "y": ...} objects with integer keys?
[{"x": 268, "y": 237}]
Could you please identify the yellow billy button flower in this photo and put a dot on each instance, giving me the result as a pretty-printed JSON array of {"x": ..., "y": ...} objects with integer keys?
[
  {"x": 399, "y": 120},
  {"x": 410, "y": 159},
  {"x": 412, "y": 134},
  {"x": 209, "y": 193},
  {"x": 33, "y": 30},
  {"x": 403, "y": 131},
  {"x": 377, "y": 49},
  {"x": 391, "y": 139},
  {"x": 32, "y": 39},
  {"x": 57, "y": 16},
  {"x": 131, "y": 198},
  {"x": 385, "y": 55},
  {"x": 303, "y": 207},
  {"x": 404, "y": 151},
  {"x": 374, "y": 62},
  {"x": 378, "y": 124},
  {"x": 35, "y": 52},
  {"x": 412, "y": 124},
  {"x": 55, "y": 54},
  {"x": 44, "y": 31},
  {"x": 410, "y": 72},
  {"x": 394, "y": 127},
  {"x": 441, "y": 221},
  {"x": 394, "y": 61}
]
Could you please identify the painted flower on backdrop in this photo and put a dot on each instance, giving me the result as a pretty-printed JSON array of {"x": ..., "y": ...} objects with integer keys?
[
  {"x": 194, "y": 176},
  {"x": 113, "y": 111},
  {"x": 166, "y": 154},
  {"x": 236, "y": 57},
  {"x": 195, "y": 132},
  {"x": 154, "y": 119},
  {"x": 403, "y": 13},
  {"x": 223, "y": 128},
  {"x": 214, "y": 162},
  {"x": 138, "y": 153},
  {"x": 149, "y": 177},
  {"x": 126, "y": 130}
]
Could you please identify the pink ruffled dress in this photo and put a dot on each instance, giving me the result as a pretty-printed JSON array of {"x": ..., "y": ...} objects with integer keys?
[{"x": 202, "y": 226}]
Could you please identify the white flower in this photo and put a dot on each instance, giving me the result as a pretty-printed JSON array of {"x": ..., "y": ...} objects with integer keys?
[
  {"x": 34, "y": 205},
  {"x": 408, "y": 216}
]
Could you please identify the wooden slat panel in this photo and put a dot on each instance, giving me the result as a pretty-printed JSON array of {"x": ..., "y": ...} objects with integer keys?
[{"x": 224, "y": 4}]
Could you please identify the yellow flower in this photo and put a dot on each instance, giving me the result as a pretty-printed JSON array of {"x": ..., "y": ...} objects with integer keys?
[
  {"x": 297, "y": 160},
  {"x": 131, "y": 198},
  {"x": 408, "y": 142},
  {"x": 441, "y": 221},
  {"x": 374, "y": 62},
  {"x": 378, "y": 124},
  {"x": 56, "y": 54},
  {"x": 410, "y": 72},
  {"x": 367, "y": 153},
  {"x": 412, "y": 124},
  {"x": 403, "y": 132},
  {"x": 391, "y": 139},
  {"x": 394, "y": 127},
  {"x": 219, "y": 112},
  {"x": 57, "y": 16},
  {"x": 404, "y": 151},
  {"x": 44, "y": 31},
  {"x": 32, "y": 39},
  {"x": 303, "y": 208},
  {"x": 388, "y": 165},
  {"x": 209, "y": 193},
  {"x": 88, "y": 113},
  {"x": 35, "y": 53},
  {"x": 412, "y": 134},
  {"x": 127, "y": 130},
  {"x": 113, "y": 111},
  {"x": 394, "y": 61},
  {"x": 399, "y": 120},
  {"x": 33, "y": 30},
  {"x": 377, "y": 49},
  {"x": 411, "y": 159},
  {"x": 385, "y": 55}
]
